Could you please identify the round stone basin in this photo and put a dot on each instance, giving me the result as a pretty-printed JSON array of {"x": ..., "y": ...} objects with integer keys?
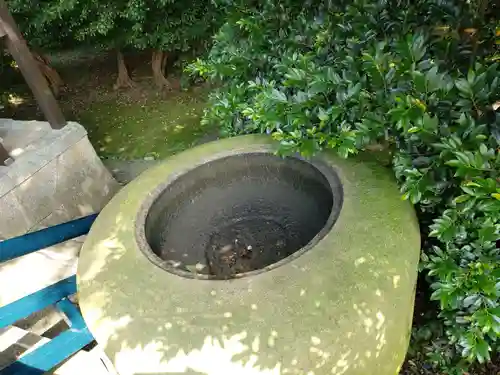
[
  {"x": 227, "y": 259},
  {"x": 242, "y": 213}
]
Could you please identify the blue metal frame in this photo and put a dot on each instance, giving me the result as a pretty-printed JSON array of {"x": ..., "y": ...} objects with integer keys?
[
  {"x": 68, "y": 342},
  {"x": 30, "y": 242},
  {"x": 37, "y": 301},
  {"x": 50, "y": 354}
]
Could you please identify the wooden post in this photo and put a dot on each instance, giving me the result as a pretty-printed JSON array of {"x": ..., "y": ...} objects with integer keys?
[
  {"x": 4, "y": 155},
  {"x": 20, "y": 52}
]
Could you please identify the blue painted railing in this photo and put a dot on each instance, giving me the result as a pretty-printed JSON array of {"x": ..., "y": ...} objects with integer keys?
[
  {"x": 30, "y": 242},
  {"x": 68, "y": 342}
]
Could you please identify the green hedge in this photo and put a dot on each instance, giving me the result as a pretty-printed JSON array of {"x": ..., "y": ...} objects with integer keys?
[{"x": 417, "y": 80}]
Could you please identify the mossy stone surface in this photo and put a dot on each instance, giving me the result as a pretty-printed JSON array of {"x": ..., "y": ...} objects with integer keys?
[{"x": 343, "y": 307}]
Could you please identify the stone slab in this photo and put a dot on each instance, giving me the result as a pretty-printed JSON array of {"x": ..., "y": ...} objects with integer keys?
[
  {"x": 45, "y": 147},
  {"x": 13, "y": 219},
  {"x": 56, "y": 174}
]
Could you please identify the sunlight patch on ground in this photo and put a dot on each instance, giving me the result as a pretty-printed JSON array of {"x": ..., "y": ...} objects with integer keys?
[{"x": 152, "y": 130}]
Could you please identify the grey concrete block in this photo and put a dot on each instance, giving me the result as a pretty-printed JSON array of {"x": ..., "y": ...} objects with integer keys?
[
  {"x": 83, "y": 187},
  {"x": 58, "y": 141},
  {"x": 19, "y": 135},
  {"x": 58, "y": 215},
  {"x": 31, "y": 158},
  {"x": 57, "y": 177},
  {"x": 37, "y": 193},
  {"x": 14, "y": 221},
  {"x": 6, "y": 183}
]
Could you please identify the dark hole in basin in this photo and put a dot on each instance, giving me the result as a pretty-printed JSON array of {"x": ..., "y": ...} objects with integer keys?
[{"x": 240, "y": 214}]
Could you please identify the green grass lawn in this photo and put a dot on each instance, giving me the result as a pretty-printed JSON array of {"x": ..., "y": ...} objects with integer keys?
[{"x": 154, "y": 127}]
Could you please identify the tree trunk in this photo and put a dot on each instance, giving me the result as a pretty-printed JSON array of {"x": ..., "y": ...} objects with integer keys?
[
  {"x": 164, "y": 62},
  {"x": 123, "y": 79},
  {"x": 17, "y": 47},
  {"x": 158, "y": 61},
  {"x": 53, "y": 78}
]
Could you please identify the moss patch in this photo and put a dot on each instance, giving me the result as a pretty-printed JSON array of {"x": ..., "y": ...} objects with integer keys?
[{"x": 154, "y": 127}]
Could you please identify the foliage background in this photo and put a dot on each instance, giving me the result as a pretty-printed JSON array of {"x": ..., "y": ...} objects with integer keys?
[
  {"x": 167, "y": 28},
  {"x": 417, "y": 81}
]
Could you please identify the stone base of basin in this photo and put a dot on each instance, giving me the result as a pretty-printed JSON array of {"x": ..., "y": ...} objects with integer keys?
[{"x": 341, "y": 304}]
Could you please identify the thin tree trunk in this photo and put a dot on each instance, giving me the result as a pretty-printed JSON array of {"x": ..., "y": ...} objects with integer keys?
[
  {"x": 123, "y": 79},
  {"x": 17, "y": 47},
  {"x": 53, "y": 78},
  {"x": 158, "y": 60},
  {"x": 164, "y": 62}
]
